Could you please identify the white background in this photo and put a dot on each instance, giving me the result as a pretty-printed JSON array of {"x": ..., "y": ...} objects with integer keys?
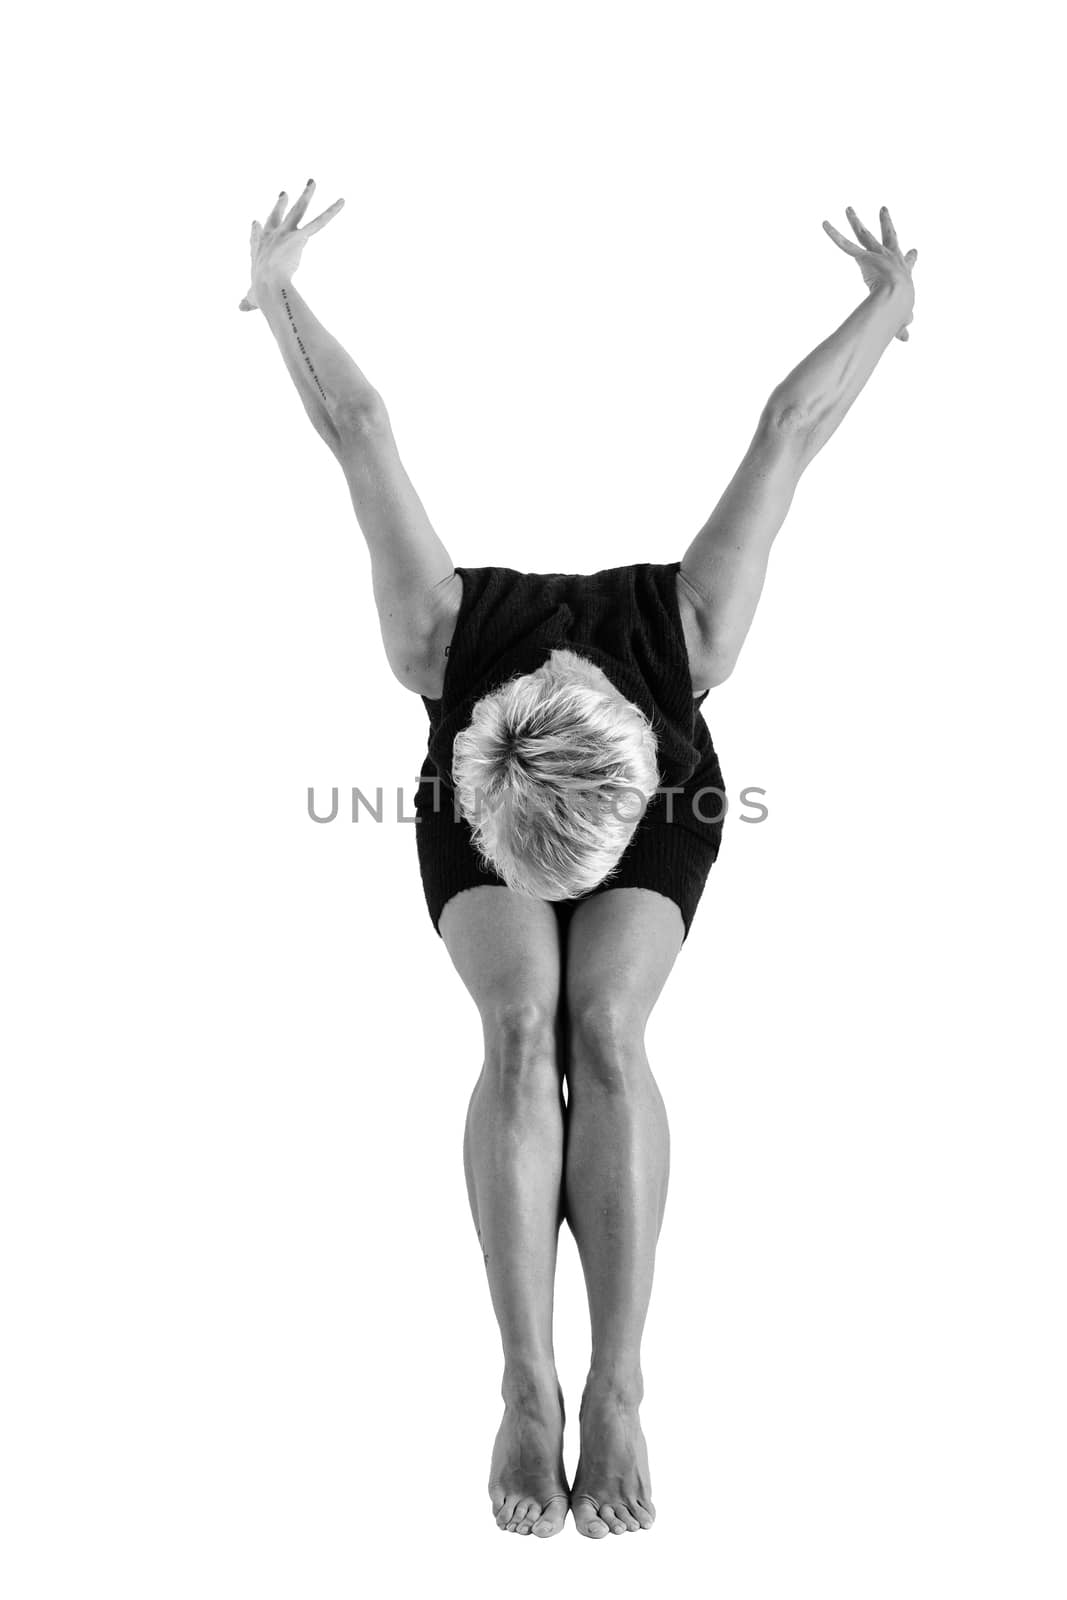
[{"x": 248, "y": 1347}]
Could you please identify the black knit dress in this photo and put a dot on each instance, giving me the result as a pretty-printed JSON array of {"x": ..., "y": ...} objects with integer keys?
[{"x": 625, "y": 620}]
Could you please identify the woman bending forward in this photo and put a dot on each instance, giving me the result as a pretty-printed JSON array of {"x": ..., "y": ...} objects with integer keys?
[{"x": 569, "y": 813}]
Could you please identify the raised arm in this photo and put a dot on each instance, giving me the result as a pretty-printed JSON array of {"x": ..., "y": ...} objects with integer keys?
[
  {"x": 723, "y": 570},
  {"x": 413, "y": 576}
]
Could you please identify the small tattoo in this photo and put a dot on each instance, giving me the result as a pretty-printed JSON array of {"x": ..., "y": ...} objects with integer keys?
[{"x": 300, "y": 343}]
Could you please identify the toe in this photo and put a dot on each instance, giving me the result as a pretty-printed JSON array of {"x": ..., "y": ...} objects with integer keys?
[
  {"x": 643, "y": 1517},
  {"x": 623, "y": 1515},
  {"x": 506, "y": 1514},
  {"x": 609, "y": 1515},
  {"x": 553, "y": 1515},
  {"x": 526, "y": 1513},
  {"x": 587, "y": 1520}
]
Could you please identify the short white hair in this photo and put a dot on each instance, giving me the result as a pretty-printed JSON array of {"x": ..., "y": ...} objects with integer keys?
[{"x": 553, "y": 773}]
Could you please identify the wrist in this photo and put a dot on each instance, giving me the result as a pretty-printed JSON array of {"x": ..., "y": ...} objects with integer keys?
[
  {"x": 894, "y": 299},
  {"x": 897, "y": 289},
  {"x": 270, "y": 285}
]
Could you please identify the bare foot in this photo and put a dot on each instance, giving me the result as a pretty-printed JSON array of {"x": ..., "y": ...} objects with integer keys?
[
  {"x": 527, "y": 1482},
  {"x": 612, "y": 1487}
]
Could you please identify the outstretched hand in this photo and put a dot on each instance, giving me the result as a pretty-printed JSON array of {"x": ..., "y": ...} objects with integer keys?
[
  {"x": 879, "y": 262},
  {"x": 278, "y": 244}
]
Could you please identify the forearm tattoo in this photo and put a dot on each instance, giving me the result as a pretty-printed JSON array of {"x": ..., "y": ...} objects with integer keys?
[{"x": 300, "y": 344}]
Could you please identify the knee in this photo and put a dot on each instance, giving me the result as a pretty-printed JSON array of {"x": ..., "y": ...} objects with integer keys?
[
  {"x": 520, "y": 1044},
  {"x": 607, "y": 1041}
]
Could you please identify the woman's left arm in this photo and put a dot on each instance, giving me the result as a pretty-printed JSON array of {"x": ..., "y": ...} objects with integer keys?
[
  {"x": 821, "y": 389},
  {"x": 721, "y": 575}
]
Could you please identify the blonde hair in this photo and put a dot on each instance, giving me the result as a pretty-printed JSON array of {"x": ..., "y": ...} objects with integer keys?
[{"x": 553, "y": 773}]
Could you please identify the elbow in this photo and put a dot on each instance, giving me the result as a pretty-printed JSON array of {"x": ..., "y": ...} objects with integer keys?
[
  {"x": 787, "y": 416},
  {"x": 357, "y": 416}
]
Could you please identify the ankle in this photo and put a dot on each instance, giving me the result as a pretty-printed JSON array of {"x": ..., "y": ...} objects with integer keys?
[
  {"x": 528, "y": 1381},
  {"x": 621, "y": 1384}
]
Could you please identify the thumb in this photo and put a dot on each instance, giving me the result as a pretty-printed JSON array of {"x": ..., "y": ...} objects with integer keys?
[{"x": 911, "y": 258}]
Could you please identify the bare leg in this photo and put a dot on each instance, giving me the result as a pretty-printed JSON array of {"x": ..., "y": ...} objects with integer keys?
[
  {"x": 622, "y": 946},
  {"x": 506, "y": 948}
]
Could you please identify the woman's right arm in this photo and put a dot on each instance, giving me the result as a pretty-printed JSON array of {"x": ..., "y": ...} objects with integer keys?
[
  {"x": 336, "y": 395},
  {"x": 413, "y": 575}
]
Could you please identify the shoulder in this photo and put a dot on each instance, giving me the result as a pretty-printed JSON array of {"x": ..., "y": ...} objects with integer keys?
[
  {"x": 424, "y": 671},
  {"x": 693, "y": 609}
]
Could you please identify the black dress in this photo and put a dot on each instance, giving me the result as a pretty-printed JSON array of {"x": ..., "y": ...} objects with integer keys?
[{"x": 625, "y": 620}]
